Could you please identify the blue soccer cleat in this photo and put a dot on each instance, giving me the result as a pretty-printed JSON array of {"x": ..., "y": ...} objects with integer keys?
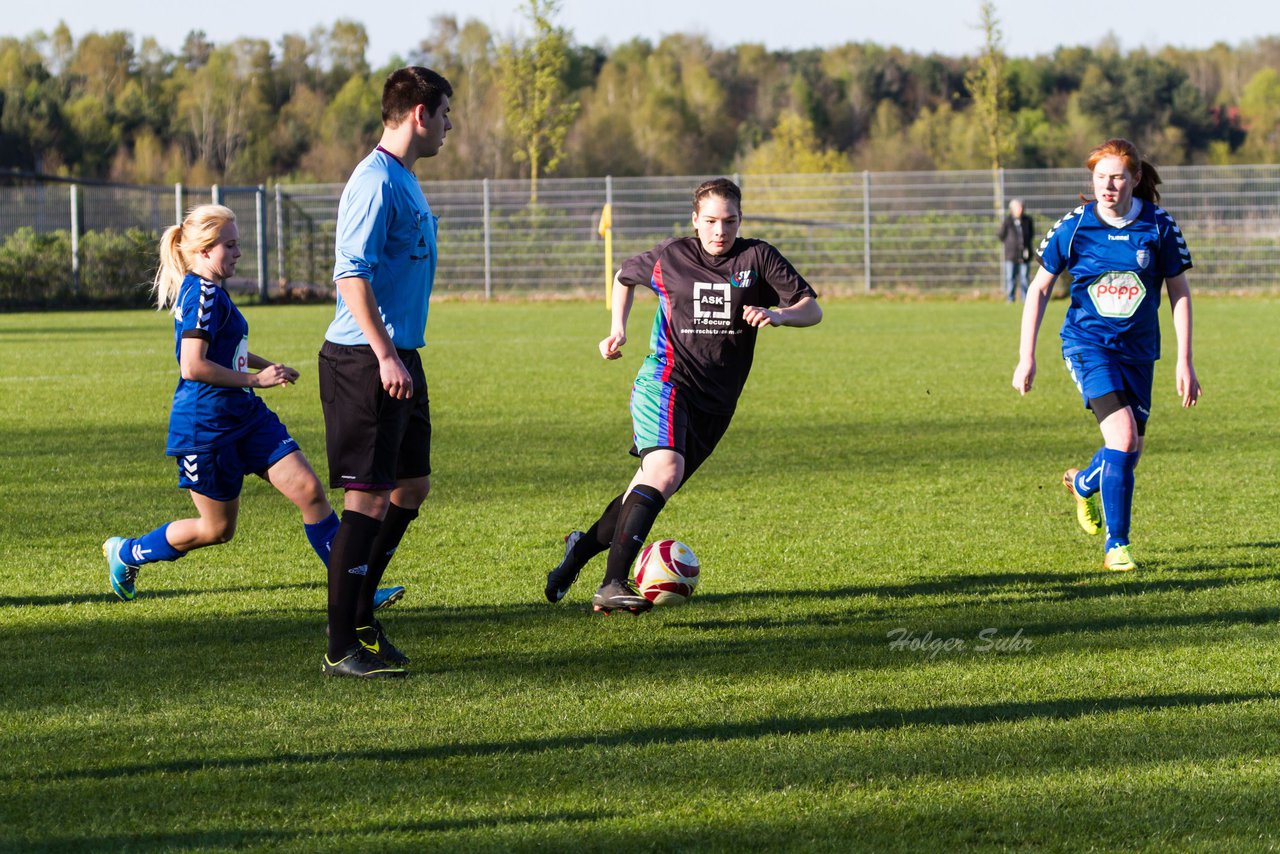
[
  {"x": 386, "y": 596},
  {"x": 122, "y": 575}
]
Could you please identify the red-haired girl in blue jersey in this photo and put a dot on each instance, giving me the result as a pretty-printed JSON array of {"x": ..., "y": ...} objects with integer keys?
[{"x": 1120, "y": 249}]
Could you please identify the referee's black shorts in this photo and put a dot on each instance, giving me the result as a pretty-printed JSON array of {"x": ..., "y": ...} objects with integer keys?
[{"x": 372, "y": 439}]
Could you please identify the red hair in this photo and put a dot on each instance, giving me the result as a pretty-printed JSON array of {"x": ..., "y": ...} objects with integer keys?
[{"x": 1146, "y": 174}]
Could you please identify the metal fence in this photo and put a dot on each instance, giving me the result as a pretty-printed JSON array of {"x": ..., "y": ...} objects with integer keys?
[{"x": 855, "y": 232}]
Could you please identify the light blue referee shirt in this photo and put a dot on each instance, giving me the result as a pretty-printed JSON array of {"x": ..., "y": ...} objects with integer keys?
[{"x": 386, "y": 234}]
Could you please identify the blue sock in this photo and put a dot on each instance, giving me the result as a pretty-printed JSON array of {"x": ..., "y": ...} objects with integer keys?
[
  {"x": 320, "y": 535},
  {"x": 1089, "y": 478},
  {"x": 1117, "y": 493},
  {"x": 149, "y": 548}
]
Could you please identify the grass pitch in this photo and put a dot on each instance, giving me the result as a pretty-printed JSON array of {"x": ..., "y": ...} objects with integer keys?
[{"x": 882, "y": 482}]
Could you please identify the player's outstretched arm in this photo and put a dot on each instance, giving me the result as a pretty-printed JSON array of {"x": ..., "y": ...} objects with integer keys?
[
  {"x": 1024, "y": 375},
  {"x": 1188, "y": 385},
  {"x": 261, "y": 363},
  {"x": 623, "y": 298},
  {"x": 193, "y": 361},
  {"x": 806, "y": 312}
]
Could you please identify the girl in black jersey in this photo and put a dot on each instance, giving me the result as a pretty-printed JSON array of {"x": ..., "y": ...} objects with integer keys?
[{"x": 714, "y": 293}]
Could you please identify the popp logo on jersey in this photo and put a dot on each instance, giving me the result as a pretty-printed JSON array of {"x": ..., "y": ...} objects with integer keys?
[{"x": 1117, "y": 294}]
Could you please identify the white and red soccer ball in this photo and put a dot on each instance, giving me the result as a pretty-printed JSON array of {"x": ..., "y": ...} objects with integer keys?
[{"x": 667, "y": 572}]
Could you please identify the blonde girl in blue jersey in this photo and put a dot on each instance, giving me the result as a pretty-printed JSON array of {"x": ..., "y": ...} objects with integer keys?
[
  {"x": 1120, "y": 249},
  {"x": 219, "y": 430}
]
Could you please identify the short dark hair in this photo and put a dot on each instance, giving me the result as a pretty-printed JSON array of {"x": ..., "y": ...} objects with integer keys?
[
  {"x": 722, "y": 187},
  {"x": 408, "y": 87}
]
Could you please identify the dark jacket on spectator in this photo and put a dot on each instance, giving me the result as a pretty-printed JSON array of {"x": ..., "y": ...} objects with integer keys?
[{"x": 1017, "y": 241}]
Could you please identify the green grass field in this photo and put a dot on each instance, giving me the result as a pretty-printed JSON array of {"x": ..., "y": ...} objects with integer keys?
[{"x": 881, "y": 478}]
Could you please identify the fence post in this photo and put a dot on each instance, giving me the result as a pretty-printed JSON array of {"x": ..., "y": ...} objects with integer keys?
[
  {"x": 281, "y": 272},
  {"x": 75, "y": 238},
  {"x": 606, "y": 227},
  {"x": 866, "y": 229},
  {"x": 488, "y": 258},
  {"x": 260, "y": 211},
  {"x": 215, "y": 194},
  {"x": 177, "y": 203}
]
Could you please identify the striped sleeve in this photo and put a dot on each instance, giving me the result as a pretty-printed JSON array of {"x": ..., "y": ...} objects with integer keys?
[
  {"x": 1055, "y": 249},
  {"x": 199, "y": 306},
  {"x": 1175, "y": 257}
]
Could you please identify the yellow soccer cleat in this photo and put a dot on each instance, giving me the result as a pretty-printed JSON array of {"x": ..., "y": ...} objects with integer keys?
[
  {"x": 1088, "y": 510},
  {"x": 1119, "y": 559}
]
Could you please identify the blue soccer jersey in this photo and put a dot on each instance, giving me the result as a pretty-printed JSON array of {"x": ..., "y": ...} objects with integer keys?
[
  {"x": 204, "y": 416},
  {"x": 386, "y": 235},
  {"x": 1117, "y": 274}
]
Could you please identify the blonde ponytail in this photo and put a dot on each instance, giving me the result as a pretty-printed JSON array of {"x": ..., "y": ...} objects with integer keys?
[{"x": 181, "y": 244}]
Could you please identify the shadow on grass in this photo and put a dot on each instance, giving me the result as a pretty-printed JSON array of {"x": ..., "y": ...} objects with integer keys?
[
  {"x": 1048, "y": 586},
  {"x": 535, "y": 641},
  {"x": 240, "y": 838},
  {"x": 173, "y": 593},
  {"x": 874, "y": 720}
]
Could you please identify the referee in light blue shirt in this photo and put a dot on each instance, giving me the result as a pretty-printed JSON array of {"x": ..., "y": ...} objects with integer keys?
[
  {"x": 1120, "y": 248},
  {"x": 372, "y": 386}
]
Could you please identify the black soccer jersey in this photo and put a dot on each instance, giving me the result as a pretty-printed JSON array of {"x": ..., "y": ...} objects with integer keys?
[{"x": 700, "y": 341}]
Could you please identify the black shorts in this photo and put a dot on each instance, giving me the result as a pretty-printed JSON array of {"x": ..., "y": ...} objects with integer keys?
[
  {"x": 372, "y": 439},
  {"x": 680, "y": 426}
]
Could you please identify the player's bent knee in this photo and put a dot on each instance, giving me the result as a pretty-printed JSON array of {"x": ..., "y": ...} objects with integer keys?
[{"x": 217, "y": 533}]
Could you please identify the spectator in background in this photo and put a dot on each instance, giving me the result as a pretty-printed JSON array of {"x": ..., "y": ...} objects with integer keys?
[{"x": 1015, "y": 232}]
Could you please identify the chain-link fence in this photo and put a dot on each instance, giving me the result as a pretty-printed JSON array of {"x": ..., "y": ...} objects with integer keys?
[
  {"x": 859, "y": 232},
  {"x": 855, "y": 232},
  {"x": 67, "y": 243}
]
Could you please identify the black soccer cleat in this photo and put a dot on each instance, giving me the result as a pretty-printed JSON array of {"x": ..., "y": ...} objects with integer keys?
[
  {"x": 374, "y": 639},
  {"x": 362, "y": 664},
  {"x": 619, "y": 596},
  {"x": 560, "y": 579}
]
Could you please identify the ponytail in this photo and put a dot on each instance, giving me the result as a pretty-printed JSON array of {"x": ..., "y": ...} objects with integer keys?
[
  {"x": 1147, "y": 181},
  {"x": 172, "y": 269},
  {"x": 181, "y": 244}
]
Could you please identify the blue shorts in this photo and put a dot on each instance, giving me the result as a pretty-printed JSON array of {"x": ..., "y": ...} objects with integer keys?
[
  {"x": 219, "y": 473},
  {"x": 1097, "y": 373}
]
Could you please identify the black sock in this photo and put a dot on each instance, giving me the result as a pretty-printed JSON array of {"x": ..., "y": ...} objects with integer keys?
[
  {"x": 348, "y": 564},
  {"x": 389, "y": 536},
  {"x": 600, "y": 535},
  {"x": 635, "y": 519}
]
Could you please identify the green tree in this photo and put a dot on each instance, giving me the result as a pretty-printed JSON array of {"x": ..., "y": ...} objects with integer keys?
[
  {"x": 539, "y": 110},
  {"x": 793, "y": 148},
  {"x": 985, "y": 81},
  {"x": 1260, "y": 111}
]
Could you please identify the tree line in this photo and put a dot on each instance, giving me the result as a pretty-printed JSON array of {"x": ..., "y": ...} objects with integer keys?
[{"x": 306, "y": 106}]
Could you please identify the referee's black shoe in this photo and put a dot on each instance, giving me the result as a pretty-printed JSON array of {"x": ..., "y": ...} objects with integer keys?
[
  {"x": 374, "y": 639},
  {"x": 619, "y": 596},
  {"x": 361, "y": 663},
  {"x": 560, "y": 579}
]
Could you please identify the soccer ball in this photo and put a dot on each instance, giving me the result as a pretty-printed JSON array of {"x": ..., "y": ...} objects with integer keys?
[{"x": 667, "y": 572}]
